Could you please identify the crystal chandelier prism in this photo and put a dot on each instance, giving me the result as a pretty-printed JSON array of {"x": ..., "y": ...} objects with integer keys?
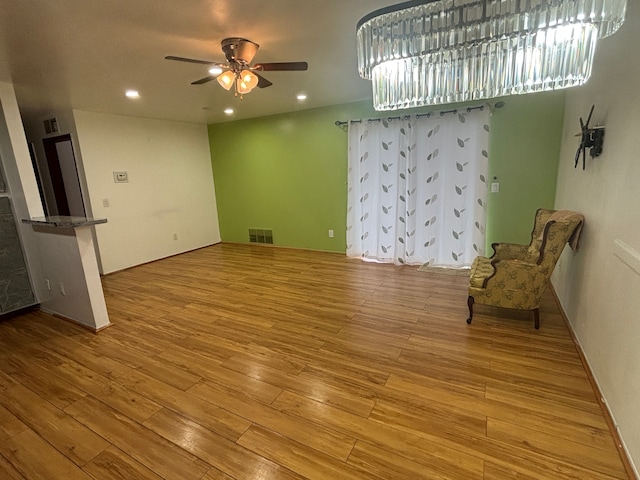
[{"x": 441, "y": 51}]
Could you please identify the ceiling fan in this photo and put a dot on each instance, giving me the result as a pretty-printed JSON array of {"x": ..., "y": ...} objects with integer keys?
[{"x": 238, "y": 71}]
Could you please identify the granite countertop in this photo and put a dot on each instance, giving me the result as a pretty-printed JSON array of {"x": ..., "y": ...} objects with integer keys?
[{"x": 64, "y": 221}]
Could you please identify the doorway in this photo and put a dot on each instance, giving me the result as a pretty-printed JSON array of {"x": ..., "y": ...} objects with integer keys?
[{"x": 65, "y": 181}]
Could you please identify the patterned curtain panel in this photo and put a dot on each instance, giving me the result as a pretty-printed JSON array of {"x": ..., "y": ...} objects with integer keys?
[{"x": 418, "y": 189}]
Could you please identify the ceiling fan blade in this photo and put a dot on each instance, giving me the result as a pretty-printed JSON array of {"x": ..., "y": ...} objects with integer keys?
[
  {"x": 281, "y": 66},
  {"x": 204, "y": 80},
  {"x": 584, "y": 157},
  {"x": 190, "y": 60},
  {"x": 262, "y": 82}
]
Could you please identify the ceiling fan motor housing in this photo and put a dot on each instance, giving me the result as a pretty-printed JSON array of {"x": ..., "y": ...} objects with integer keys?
[{"x": 239, "y": 50}]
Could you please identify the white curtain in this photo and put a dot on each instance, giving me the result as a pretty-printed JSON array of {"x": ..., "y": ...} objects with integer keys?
[{"x": 418, "y": 188}]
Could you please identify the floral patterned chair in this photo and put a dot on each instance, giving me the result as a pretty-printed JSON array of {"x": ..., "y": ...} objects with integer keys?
[{"x": 516, "y": 275}]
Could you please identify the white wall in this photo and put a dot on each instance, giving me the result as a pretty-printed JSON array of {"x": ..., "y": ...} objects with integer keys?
[
  {"x": 24, "y": 193},
  {"x": 599, "y": 292},
  {"x": 64, "y": 257},
  {"x": 170, "y": 189}
]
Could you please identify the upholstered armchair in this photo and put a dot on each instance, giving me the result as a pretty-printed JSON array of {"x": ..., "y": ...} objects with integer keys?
[{"x": 516, "y": 275}]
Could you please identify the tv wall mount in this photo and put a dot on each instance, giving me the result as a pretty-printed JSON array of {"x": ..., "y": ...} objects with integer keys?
[{"x": 591, "y": 138}]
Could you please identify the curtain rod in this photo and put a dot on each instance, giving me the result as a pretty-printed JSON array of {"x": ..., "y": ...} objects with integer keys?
[{"x": 499, "y": 104}]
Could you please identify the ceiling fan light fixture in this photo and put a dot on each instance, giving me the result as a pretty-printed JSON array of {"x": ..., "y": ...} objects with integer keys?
[
  {"x": 249, "y": 78},
  {"x": 215, "y": 70},
  {"x": 241, "y": 87},
  {"x": 226, "y": 80}
]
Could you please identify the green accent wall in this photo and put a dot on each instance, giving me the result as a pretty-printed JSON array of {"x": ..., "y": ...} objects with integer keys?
[
  {"x": 524, "y": 149},
  {"x": 288, "y": 172}
]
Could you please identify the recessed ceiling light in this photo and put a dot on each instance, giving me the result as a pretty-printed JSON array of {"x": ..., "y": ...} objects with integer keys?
[
  {"x": 301, "y": 97},
  {"x": 132, "y": 93},
  {"x": 215, "y": 70},
  {"x": 229, "y": 111}
]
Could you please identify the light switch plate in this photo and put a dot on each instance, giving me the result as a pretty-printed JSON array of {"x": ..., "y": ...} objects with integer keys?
[
  {"x": 120, "y": 177},
  {"x": 495, "y": 187}
]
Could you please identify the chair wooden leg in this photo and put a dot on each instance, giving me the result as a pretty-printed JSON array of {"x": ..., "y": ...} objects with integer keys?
[
  {"x": 536, "y": 318},
  {"x": 470, "y": 305}
]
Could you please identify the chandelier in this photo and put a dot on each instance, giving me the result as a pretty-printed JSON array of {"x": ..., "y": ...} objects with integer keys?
[{"x": 431, "y": 52}]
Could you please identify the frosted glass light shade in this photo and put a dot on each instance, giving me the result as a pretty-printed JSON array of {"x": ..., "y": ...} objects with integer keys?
[
  {"x": 241, "y": 87},
  {"x": 440, "y": 51},
  {"x": 249, "y": 79},
  {"x": 226, "y": 79}
]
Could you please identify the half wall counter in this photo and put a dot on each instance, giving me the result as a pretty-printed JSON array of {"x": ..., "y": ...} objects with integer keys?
[{"x": 73, "y": 289}]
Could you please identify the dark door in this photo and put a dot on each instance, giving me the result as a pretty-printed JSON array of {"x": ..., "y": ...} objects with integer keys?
[{"x": 64, "y": 176}]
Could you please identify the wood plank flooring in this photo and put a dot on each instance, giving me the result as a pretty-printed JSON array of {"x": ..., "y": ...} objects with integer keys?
[{"x": 244, "y": 362}]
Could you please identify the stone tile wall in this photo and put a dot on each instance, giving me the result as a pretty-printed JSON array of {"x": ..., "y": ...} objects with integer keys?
[{"x": 15, "y": 287}]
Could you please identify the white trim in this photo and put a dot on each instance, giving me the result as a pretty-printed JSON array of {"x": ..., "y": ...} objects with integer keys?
[
  {"x": 627, "y": 254},
  {"x": 603, "y": 399}
]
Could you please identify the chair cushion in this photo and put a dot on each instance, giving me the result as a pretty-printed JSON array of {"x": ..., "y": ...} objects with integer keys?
[{"x": 481, "y": 269}]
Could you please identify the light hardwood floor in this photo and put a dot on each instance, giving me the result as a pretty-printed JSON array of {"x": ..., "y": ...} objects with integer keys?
[{"x": 242, "y": 362}]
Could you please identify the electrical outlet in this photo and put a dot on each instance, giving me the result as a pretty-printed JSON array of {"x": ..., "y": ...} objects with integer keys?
[
  {"x": 61, "y": 287},
  {"x": 48, "y": 284},
  {"x": 330, "y": 233},
  {"x": 120, "y": 177},
  {"x": 175, "y": 236}
]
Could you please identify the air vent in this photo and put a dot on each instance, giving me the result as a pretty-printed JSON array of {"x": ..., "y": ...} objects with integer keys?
[
  {"x": 51, "y": 125},
  {"x": 261, "y": 235}
]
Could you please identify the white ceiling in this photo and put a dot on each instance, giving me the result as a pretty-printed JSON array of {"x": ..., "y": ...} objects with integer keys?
[{"x": 84, "y": 54}]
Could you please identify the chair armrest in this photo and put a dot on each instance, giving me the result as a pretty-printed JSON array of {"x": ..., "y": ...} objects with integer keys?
[
  {"x": 516, "y": 274},
  {"x": 511, "y": 251}
]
